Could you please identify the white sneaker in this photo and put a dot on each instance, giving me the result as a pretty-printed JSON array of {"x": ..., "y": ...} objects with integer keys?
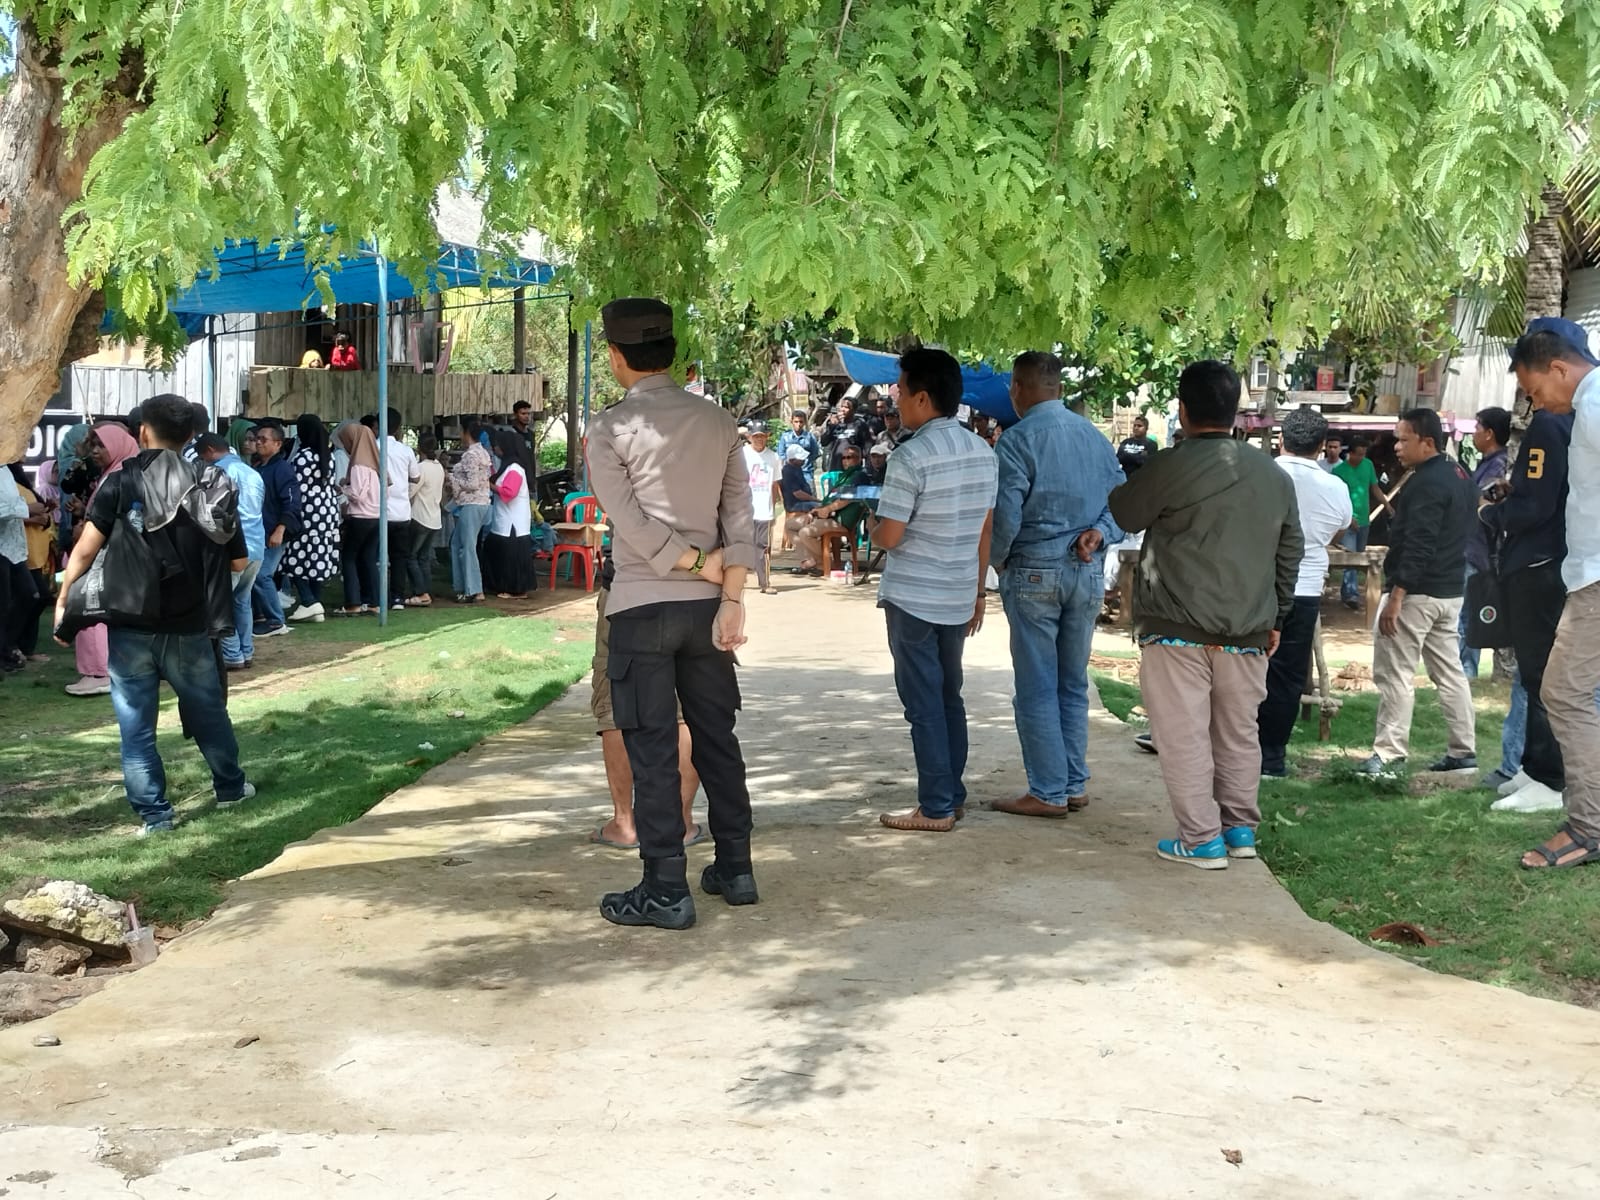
[
  {"x": 249, "y": 793},
  {"x": 308, "y": 612},
  {"x": 90, "y": 685},
  {"x": 1515, "y": 784},
  {"x": 287, "y": 600},
  {"x": 1536, "y": 797}
]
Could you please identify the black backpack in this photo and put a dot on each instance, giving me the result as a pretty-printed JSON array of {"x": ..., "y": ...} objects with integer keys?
[{"x": 122, "y": 586}]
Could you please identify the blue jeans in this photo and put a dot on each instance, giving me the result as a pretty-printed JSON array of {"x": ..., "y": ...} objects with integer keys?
[
  {"x": 188, "y": 662},
  {"x": 1469, "y": 654},
  {"x": 465, "y": 573},
  {"x": 1052, "y": 611},
  {"x": 1354, "y": 539},
  {"x": 927, "y": 674},
  {"x": 265, "y": 590},
  {"x": 241, "y": 647},
  {"x": 1514, "y": 733}
]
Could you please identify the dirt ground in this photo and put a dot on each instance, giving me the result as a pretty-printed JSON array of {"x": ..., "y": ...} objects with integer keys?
[{"x": 425, "y": 1002}]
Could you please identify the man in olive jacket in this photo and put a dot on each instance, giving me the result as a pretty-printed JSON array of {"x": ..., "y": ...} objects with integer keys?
[{"x": 1216, "y": 580}]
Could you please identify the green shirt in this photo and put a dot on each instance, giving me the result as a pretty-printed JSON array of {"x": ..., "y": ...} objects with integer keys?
[{"x": 1360, "y": 481}]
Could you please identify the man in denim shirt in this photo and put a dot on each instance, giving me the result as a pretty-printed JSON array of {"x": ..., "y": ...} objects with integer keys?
[
  {"x": 238, "y": 649},
  {"x": 1051, "y": 527}
]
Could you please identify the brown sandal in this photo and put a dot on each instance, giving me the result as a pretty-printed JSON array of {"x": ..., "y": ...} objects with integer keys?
[
  {"x": 916, "y": 821},
  {"x": 1077, "y": 803}
]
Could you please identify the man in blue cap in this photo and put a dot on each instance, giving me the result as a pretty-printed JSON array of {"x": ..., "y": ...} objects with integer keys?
[{"x": 1554, "y": 367}]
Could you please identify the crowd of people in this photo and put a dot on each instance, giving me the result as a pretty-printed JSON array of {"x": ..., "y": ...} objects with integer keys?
[
  {"x": 1233, "y": 560},
  {"x": 309, "y": 508}
]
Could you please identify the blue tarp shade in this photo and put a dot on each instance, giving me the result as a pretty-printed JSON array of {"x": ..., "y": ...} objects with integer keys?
[
  {"x": 253, "y": 278},
  {"x": 988, "y": 391}
]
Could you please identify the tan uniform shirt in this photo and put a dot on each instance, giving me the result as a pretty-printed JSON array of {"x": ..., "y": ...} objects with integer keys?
[{"x": 668, "y": 469}]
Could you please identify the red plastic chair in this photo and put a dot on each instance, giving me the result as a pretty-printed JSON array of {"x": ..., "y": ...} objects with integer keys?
[{"x": 581, "y": 510}]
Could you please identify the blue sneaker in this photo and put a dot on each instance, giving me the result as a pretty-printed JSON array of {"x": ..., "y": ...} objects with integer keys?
[
  {"x": 1208, "y": 856},
  {"x": 1241, "y": 841}
]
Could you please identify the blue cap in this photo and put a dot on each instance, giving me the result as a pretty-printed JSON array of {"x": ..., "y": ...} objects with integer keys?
[{"x": 1570, "y": 332}]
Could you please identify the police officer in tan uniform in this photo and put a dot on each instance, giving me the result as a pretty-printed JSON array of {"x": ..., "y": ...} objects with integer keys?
[{"x": 668, "y": 469}]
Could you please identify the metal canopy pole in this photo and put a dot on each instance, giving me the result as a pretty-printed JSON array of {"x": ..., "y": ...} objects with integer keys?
[
  {"x": 383, "y": 439},
  {"x": 588, "y": 363},
  {"x": 519, "y": 330},
  {"x": 572, "y": 395}
]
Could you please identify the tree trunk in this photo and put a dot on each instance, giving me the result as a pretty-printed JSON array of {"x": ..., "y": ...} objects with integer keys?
[
  {"x": 41, "y": 174},
  {"x": 1545, "y": 284}
]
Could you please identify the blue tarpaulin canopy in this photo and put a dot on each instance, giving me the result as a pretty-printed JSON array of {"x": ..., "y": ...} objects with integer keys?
[
  {"x": 252, "y": 277},
  {"x": 988, "y": 391}
]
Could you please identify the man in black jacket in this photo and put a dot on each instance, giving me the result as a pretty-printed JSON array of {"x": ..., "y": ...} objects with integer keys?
[
  {"x": 156, "y": 500},
  {"x": 844, "y": 429},
  {"x": 1423, "y": 574},
  {"x": 1529, "y": 528}
]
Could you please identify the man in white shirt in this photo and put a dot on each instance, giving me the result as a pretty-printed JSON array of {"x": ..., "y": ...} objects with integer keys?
[
  {"x": 403, "y": 472},
  {"x": 1324, "y": 506},
  {"x": 1554, "y": 367},
  {"x": 764, "y": 469}
]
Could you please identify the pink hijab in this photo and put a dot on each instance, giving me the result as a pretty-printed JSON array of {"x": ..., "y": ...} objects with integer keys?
[{"x": 120, "y": 446}]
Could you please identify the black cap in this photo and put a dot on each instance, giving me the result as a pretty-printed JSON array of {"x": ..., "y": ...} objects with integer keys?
[
  {"x": 634, "y": 320},
  {"x": 211, "y": 442}
]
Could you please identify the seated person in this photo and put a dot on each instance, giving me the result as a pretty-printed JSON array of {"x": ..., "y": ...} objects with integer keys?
[
  {"x": 838, "y": 514},
  {"x": 877, "y": 464}
]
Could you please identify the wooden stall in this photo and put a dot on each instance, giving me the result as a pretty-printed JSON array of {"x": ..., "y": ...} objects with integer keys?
[{"x": 286, "y": 392}]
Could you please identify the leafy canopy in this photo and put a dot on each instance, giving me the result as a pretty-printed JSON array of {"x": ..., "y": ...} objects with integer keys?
[{"x": 989, "y": 174}]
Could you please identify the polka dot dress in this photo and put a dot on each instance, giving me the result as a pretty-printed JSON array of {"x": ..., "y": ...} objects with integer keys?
[{"x": 313, "y": 555}]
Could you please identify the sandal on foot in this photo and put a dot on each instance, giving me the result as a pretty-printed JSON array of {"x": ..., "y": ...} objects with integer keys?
[
  {"x": 916, "y": 821},
  {"x": 599, "y": 838},
  {"x": 695, "y": 838},
  {"x": 1077, "y": 803},
  {"x": 1553, "y": 858}
]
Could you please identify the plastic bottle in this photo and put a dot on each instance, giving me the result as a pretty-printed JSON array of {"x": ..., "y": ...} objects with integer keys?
[
  {"x": 849, "y": 573},
  {"x": 136, "y": 515}
]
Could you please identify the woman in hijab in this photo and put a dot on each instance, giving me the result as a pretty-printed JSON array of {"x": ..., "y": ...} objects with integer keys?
[
  {"x": 238, "y": 428},
  {"x": 312, "y": 556},
  {"x": 109, "y": 445},
  {"x": 507, "y": 549},
  {"x": 358, "y": 551}
]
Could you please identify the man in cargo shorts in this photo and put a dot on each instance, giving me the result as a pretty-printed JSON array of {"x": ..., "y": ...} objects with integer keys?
[{"x": 619, "y": 832}]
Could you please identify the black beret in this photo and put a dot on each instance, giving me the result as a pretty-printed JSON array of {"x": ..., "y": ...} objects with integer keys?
[{"x": 635, "y": 320}]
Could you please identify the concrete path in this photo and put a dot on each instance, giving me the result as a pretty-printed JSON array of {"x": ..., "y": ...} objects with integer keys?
[{"x": 1017, "y": 1009}]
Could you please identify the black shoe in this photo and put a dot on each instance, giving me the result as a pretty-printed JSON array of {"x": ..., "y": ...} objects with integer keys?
[
  {"x": 639, "y": 906},
  {"x": 738, "y": 887},
  {"x": 1452, "y": 765}
]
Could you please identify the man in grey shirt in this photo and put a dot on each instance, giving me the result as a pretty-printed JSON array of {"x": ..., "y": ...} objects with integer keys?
[{"x": 668, "y": 469}]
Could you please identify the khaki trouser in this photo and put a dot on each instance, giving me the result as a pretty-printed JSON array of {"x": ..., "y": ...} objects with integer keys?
[
  {"x": 1202, "y": 703},
  {"x": 1570, "y": 679},
  {"x": 809, "y": 536},
  {"x": 1429, "y": 631}
]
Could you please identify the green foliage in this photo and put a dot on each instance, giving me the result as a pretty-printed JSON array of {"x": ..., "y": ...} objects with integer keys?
[{"x": 989, "y": 176}]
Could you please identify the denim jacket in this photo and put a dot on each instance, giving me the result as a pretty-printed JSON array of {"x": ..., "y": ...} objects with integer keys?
[{"x": 1056, "y": 470}]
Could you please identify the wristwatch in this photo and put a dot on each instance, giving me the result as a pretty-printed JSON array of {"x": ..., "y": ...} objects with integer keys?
[{"x": 699, "y": 560}]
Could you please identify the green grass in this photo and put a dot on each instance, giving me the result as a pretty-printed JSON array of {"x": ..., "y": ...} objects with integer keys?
[
  {"x": 1359, "y": 855},
  {"x": 323, "y": 740}
]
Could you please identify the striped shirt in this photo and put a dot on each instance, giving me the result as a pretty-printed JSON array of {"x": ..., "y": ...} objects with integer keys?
[{"x": 941, "y": 483}]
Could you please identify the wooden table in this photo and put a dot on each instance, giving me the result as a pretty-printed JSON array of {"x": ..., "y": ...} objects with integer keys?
[{"x": 1369, "y": 560}]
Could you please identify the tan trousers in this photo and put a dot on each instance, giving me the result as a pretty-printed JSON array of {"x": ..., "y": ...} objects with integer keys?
[
  {"x": 1428, "y": 630},
  {"x": 1202, "y": 704},
  {"x": 809, "y": 536},
  {"x": 1570, "y": 679}
]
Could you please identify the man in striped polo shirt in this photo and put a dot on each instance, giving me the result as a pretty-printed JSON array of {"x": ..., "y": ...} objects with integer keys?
[{"x": 933, "y": 519}]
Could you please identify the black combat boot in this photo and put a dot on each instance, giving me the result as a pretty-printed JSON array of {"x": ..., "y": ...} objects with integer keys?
[
  {"x": 662, "y": 899},
  {"x": 731, "y": 875}
]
